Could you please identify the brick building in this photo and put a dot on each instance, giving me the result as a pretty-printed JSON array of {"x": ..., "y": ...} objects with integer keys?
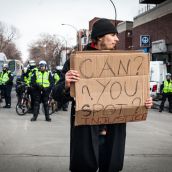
[
  {"x": 154, "y": 28},
  {"x": 125, "y": 35},
  {"x": 149, "y": 31}
]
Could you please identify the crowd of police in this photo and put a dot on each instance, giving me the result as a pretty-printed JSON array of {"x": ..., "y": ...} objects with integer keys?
[{"x": 40, "y": 83}]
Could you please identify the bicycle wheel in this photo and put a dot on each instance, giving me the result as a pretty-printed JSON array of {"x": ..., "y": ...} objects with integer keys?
[
  {"x": 22, "y": 107},
  {"x": 52, "y": 107}
]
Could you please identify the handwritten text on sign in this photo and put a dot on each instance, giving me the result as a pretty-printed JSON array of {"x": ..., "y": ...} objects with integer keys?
[{"x": 113, "y": 87}]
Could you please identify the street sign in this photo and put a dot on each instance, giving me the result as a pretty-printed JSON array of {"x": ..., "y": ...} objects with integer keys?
[{"x": 144, "y": 40}]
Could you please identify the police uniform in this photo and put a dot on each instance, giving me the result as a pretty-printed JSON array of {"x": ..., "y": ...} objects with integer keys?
[
  {"x": 42, "y": 82},
  {"x": 56, "y": 77},
  {"x": 27, "y": 79},
  {"x": 6, "y": 84},
  {"x": 1, "y": 90},
  {"x": 166, "y": 89}
]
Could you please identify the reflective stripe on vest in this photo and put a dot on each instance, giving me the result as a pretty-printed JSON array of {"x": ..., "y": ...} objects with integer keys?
[
  {"x": 56, "y": 78},
  {"x": 26, "y": 81},
  {"x": 167, "y": 87},
  {"x": 30, "y": 75},
  {"x": 5, "y": 77},
  {"x": 0, "y": 78},
  {"x": 42, "y": 78}
]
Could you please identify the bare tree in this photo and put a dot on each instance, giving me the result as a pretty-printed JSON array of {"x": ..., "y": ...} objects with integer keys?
[
  {"x": 12, "y": 52},
  {"x": 47, "y": 47},
  {"x": 7, "y": 36}
]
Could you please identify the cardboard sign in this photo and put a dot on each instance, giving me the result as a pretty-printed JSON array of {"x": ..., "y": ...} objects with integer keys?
[{"x": 113, "y": 87}]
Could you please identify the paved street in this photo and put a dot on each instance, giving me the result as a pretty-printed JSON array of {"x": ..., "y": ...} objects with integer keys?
[{"x": 44, "y": 146}]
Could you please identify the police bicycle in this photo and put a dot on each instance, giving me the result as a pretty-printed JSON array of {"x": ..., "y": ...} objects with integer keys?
[
  {"x": 24, "y": 101},
  {"x": 53, "y": 106}
]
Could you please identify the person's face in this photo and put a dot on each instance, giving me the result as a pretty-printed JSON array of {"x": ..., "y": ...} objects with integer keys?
[
  {"x": 108, "y": 41},
  {"x": 42, "y": 68},
  {"x": 32, "y": 67},
  {"x": 4, "y": 68},
  {"x": 168, "y": 77}
]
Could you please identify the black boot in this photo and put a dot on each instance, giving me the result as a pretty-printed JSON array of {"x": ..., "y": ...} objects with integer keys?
[
  {"x": 35, "y": 111},
  {"x": 47, "y": 116},
  {"x": 33, "y": 119},
  {"x": 9, "y": 106},
  {"x": 48, "y": 119},
  {"x": 160, "y": 110}
]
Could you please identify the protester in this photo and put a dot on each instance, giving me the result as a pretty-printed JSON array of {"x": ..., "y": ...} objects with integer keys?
[
  {"x": 166, "y": 90},
  {"x": 98, "y": 147}
]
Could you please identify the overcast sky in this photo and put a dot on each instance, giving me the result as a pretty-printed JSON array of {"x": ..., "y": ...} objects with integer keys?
[{"x": 33, "y": 17}]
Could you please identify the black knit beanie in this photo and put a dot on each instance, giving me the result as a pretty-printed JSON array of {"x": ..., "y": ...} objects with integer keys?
[{"x": 102, "y": 27}]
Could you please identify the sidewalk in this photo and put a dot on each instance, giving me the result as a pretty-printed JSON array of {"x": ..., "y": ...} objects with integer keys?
[{"x": 42, "y": 146}]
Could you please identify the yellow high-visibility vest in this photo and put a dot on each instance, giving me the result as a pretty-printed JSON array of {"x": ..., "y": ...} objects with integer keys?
[
  {"x": 167, "y": 87},
  {"x": 28, "y": 80},
  {"x": 56, "y": 78},
  {"x": 0, "y": 78},
  {"x": 5, "y": 77},
  {"x": 42, "y": 78}
]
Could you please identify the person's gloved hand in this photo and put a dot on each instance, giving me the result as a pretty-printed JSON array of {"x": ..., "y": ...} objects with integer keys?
[
  {"x": 47, "y": 89},
  {"x": 37, "y": 86}
]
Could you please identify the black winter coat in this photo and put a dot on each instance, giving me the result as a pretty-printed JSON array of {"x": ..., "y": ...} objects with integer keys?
[{"x": 85, "y": 140}]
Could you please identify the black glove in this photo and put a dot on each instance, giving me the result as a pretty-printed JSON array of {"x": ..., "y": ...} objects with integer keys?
[
  {"x": 47, "y": 89},
  {"x": 37, "y": 86}
]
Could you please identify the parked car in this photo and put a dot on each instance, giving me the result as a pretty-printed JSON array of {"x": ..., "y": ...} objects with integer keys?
[{"x": 158, "y": 71}]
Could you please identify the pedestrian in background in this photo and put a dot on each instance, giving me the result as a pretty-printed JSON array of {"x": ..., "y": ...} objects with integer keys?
[
  {"x": 7, "y": 83},
  {"x": 166, "y": 91},
  {"x": 96, "y": 147}
]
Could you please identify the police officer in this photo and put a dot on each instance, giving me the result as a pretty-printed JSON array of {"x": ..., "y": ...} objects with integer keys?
[
  {"x": 166, "y": 90},
  {"x": 42, "y": 83},
  {"x": 24, "y": 78},
  {"x": 7, "y": 83},
  {"x": 1, "y": 90},
  {"x": 27, "y": 79},
  {"x": 56, "y": 75}
]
